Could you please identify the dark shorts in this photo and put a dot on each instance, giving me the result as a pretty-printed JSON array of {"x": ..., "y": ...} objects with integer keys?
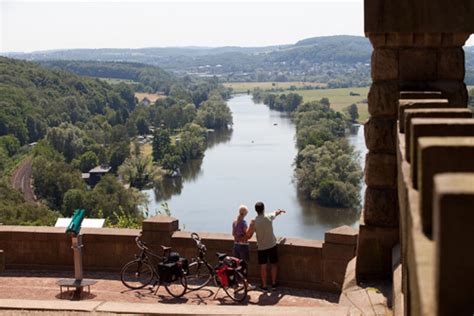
[
  {"x": 242, "y": 252},
  {"x": 264, "y": 256}
]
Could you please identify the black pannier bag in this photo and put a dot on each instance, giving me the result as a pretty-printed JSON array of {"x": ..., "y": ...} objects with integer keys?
[{"x": 168, "y": 271}]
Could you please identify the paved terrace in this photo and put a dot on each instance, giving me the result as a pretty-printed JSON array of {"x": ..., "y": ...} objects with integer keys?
[{"x": 36, "y": 293}]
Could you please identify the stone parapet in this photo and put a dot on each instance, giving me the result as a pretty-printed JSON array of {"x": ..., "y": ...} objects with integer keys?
[
  {"x": 453, "y": 236},
  {"x": 440, "y": 155},
  {"x": 427, "y": 127},
  {"x": 312, "y": 264},
  {"x": 431, "y": 113},
  {"x": 417, "y": 104}
]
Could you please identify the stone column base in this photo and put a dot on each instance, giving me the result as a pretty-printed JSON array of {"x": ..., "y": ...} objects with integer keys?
[{"x": 374, "y": 251}]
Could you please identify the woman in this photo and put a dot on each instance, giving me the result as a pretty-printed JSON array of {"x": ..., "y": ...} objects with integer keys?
[{"x": 239, "y": 231}]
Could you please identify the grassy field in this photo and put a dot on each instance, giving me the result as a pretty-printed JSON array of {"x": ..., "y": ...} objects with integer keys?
[
  {"x": 339, "y": 98},
  {"x": 243, "y": 87},
  {"x": 150, "y": 96}
]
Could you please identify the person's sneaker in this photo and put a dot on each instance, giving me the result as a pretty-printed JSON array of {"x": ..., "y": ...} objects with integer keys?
[
  {"x": 275, "y": 286},
  {"x": 263, "y": 288}
]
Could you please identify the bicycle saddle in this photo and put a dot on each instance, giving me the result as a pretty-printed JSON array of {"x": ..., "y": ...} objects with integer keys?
[
  {"x": 165, "y": 248},
  {"x": 221, "y": 255}
]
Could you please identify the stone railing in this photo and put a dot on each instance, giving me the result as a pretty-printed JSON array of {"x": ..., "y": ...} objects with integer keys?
[
  {"x": 435, "y": 155},
  {"x": 311, "y": 264}
]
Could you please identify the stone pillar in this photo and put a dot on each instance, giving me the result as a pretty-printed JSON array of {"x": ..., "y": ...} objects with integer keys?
[
  {"x": 416, "y": 63},
  {"x": 454, "y": 263},
  {"x": 157, "y": 231}
]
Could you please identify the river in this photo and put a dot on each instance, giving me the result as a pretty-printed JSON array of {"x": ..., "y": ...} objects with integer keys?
[{"x": 252, "y": 162}]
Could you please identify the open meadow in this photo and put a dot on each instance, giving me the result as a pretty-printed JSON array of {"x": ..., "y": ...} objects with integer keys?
[
  {"x": 243, "y": 87},
  {"x": 339, "y": 98}
]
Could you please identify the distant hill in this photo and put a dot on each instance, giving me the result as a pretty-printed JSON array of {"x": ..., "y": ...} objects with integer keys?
[
  {"x": 339, "y": 61},
  {"x": 148, "y": 78}
]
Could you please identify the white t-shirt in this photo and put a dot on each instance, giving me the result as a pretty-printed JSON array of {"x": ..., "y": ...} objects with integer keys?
[{"x": 264, "y": 230}]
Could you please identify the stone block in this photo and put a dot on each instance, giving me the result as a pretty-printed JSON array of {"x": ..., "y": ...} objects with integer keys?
[
  {"x": 338, "y": 251},
  {"x": 414, "y": 104},
  {"x": 430, "y": 113},
  {"x": 160, "y": 223},
  {"x": 453, "y": 235},
  {"x": 381, "y": 207},
  {"x": 334, "y": 271},
  {"x": 383, "y": 99},
  {"x": 409, "y": 16},
  {"x": 384, "y": 64},
  {"x": 377, "y": 39},
  {"x": 451, "y": 64},
  {"x": 426, "y": 127},
  {"x": 380, "y": 135},
  {"x": 440, "y": 155},
  {"x": 420, "y": 95},
  {"x": 381, "y": 170},
  {"x": 417, "y": 64},
  {"x": 2, "y": 261},
  {"x": 374, "y": 251},
  {"x": 342, "y": 235}
]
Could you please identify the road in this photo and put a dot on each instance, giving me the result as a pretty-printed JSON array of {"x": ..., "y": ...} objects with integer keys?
[{"x": 21, "y": 179}]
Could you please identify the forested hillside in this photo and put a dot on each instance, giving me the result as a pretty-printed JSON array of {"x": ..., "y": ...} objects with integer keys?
[
  {"x": 77, "y": 123},
  {"x": 339, "y": 61}
]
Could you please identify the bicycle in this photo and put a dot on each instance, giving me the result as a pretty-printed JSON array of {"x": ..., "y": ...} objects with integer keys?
[
  {"x": 228, "y": 274},
  {"x": 168, "y": 270}
]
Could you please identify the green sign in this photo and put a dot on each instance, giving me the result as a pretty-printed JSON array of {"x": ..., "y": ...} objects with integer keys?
[{"x": 75, "y": 225}]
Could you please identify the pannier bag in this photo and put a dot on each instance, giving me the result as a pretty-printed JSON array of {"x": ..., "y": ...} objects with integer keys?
[
  {"x": 236, "y": 263},
  {"x": 168, "y": 271},
  {"x": 172, "y": 268},
  {"x": 223, "y": 275}
]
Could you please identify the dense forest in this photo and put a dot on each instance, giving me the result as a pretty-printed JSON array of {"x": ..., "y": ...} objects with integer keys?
[
  {"x": 70, "y": 124},
  {"x": 326, "y": 167}
]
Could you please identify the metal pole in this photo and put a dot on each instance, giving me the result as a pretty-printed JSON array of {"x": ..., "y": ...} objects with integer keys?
[{"x": 77, "y": 248}]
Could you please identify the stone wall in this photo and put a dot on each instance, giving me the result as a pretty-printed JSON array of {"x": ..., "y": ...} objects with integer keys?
[{"x": 311, "y": 264}]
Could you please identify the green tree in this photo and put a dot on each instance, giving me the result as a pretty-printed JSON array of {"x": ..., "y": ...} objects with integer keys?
[
  {"x": 86, "y": 161},
  {"x": 118, "y": 153},
  {"x": 353, "y": 112},
  {"x": 139, "y": 171},
  {"x": 10, "y": 144},
  {"x": 74, "y": 199},
  {"x": 171, "y": 162},
  {"x": 214, "y": 113},
  {"x": 161, "y": 143},
  {"x": 191, "y": 142},
  {"x": 52, "y": 179}
]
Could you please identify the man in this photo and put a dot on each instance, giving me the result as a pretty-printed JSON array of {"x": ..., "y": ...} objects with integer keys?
[{"x": 262, "y": 225}]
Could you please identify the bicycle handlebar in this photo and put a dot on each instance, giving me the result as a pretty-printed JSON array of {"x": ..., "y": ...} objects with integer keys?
[
  {"x": 199, "y": 244},
  {"x": 140, "y": 243}
]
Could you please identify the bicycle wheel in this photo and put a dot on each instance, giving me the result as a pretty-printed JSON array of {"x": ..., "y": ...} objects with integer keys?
[
  {"x": 199, "y": 275},
  {"x": 177, "y": 287},
  {"x": 237, "y": 291},
  {"x": 136, "y": 274}
]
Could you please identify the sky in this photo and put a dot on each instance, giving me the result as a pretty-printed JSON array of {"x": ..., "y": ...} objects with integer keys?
[{"x": 43, "y": 25}]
